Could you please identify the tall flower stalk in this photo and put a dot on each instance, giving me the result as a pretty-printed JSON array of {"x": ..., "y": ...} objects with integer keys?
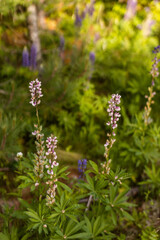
[
  {"x": 154, "y": 73},
  {"x": 113, "y": 111},
  {"x": 36, "y": 94},
  {"x": 43, "y": 157}
]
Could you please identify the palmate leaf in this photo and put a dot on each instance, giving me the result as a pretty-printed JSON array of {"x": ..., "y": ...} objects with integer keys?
[
  {"x": 33, "y": 215},
  {"x": 71, "y": 231},
  {"x": 94, "y": 166},
  {"x": 96, "y": 225},
  {"x": 88, "y": 226},
  {"x": 26, "y": 236},
  {"x": 64, "y": 186},
  {"x": 80, "y": 236},
  {"x": 127, "y": 215},
  {"x": 4, "y": 236},
  {"x": 73, "y": 227},
  {"x": 95, "y": 228}
]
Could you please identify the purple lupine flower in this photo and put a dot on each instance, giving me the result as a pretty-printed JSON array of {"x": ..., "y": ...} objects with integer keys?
[
  {"x": 61, "y": 43},
  {"x": 154, "y": 71},
  {"x": 78, "y": 20},
  {"x": 36, "y": 92},
  {"x": 113, "y": 111},
  {"x": 92, "y": 57},
  {"x": 91, "y": 8},
  {"x": 33, "y": 56},
  {"x": 82, "y": 164},
  {"x": 25, "y": 57},
  {"x": 83, "y": 14},
  {"x": 96, "y": 37},
  {"x": 131, "y": 9}
]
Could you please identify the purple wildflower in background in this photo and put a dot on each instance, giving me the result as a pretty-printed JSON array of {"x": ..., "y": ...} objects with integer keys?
[
  {"x": 131, "y": 9},
  {"x": 25, "y": 57},
  {"x": 61, "y": 43},
  {"x": 91, "y": 8},
  {"x": 154, "y": 71},
  {"x": 82, "y": 165},
  {"x": 33, "y": 56},
  {"x": 78, "y": 20},
  {"x": 92, "y": 57},
  {"x": 83, "y": 14},
  {"x": 96, "y": 37},
  {"x": 36, "y": 92}
]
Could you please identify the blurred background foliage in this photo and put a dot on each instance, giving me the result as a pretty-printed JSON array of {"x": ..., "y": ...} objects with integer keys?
[{"x": 121, "y": 35}]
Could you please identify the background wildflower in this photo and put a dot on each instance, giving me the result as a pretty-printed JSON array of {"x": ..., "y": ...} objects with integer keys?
[
  {"x": 82, "y": 165},
  {"x": 33, "y": 57},
  {"x": 25, "y": 57},
  {"x": 78, "y": 20}
]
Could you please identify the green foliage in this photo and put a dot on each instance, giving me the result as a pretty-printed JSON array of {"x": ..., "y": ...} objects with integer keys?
[{"x": 150, "y": 234}]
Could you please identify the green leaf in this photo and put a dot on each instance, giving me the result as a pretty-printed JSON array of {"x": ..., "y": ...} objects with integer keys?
[
  {"x": 94, "y": 165},
  {"x": 24, "y": 203},
  {"x": 64, "y": 186},
  {"x": 90, "y": 181},
  {"x": 80, "y": 236},
  {"x": 4, "y": 237},
  {"x": 96, "y": 225},
  {"x": 74, "y": 229},
  {"x": 127, "y": 215},
  {"x": 114, "y": 217},
  {"x": 62, "y": 170},
  {"x": 31, "y": 213},
  {"x": 53, "y": 215},
  {"x": 26, "y": 236},
  {"x": 89, "y": 225}
]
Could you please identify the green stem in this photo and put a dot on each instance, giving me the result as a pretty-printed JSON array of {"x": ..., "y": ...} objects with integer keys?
[{"x": 37, "y": 116}]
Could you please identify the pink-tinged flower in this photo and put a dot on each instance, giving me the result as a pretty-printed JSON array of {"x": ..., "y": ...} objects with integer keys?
[
  {"x": 51, "y": 144},
  {"x": 36, "y": 92},
  {"x": 113, "y": 111},
  {"x": 40, "y": 154}
]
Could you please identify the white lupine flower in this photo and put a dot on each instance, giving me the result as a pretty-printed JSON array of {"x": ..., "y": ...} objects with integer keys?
[{"x": 19, "y": 155}]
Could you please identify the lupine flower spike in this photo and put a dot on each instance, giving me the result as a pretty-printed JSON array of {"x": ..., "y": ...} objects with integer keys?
[
  {"x": 92, "y": 61},
  {"x": 51, "y": 144},
  {"x": 114, "y": 114},
  {"x": 91, "y": 8},
  {"x": 61, "y": 43},
  {"x": 82, "y": 164},
  {"x": 25, "y": 57},
  {"x": 78, "y": 20},
  {"x": 92, "y": 57},
  {"x": 33, "y": 57},
  {"x": 36, "y": 92},
  {"x": 154, "y": 73},
  {"x": 40, "y": 154}
]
